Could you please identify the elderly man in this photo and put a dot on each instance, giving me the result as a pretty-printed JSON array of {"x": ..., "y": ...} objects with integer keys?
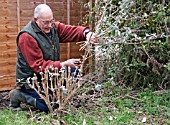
[{"x": 38, "y": 46}]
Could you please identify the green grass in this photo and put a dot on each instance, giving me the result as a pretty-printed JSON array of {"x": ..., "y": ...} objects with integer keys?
[
  {"x": 10, "y": 117},
  {"x": 118, "y": 106}
]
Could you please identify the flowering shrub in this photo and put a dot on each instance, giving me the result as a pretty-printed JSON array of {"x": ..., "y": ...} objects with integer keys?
[{"x": 135, "y": 42}]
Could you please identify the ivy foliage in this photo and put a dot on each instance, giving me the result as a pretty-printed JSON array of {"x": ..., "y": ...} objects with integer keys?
[{"x": 135, "y": 41}]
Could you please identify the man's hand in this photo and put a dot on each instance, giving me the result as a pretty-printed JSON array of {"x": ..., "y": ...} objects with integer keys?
[
  {"x": 71, "y": 62},
  {"x": 90, "y": 36}
]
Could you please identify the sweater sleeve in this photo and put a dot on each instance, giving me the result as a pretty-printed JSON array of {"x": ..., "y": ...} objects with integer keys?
[
  {"x": 33, "y": 54},
  {"x": 69, "y": 33}
]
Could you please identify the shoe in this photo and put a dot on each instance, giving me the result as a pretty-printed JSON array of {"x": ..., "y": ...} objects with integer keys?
[
  {"x": 17, "y": 96},
  {"x": 14, "y": 101}
]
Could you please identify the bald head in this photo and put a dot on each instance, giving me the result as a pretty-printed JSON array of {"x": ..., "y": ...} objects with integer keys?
[
  {"x": 42, "y": 10},
  {"x": 43, "y": 16}
]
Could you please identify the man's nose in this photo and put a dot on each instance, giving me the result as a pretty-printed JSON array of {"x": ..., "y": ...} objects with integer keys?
[{"x": 49, "y": 25}]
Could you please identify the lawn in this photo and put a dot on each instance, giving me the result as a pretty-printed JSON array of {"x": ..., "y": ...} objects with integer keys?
[{"x": 113, "y": 105}]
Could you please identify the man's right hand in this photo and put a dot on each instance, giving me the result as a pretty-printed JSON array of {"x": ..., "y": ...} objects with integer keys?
[{"x": 71, "y": 62}]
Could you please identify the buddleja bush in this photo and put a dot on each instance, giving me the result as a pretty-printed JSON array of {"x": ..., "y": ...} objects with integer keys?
[{"x": 135, "y": 37}]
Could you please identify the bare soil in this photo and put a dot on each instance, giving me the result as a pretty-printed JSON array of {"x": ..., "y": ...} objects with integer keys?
[{"x": 4, "y": 99}]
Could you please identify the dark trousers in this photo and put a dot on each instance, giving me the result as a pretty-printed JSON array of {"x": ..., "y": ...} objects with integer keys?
[{"x": 40, "y": 103}]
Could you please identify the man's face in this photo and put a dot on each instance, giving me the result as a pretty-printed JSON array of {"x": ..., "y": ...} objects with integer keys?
[{"x": 45, "y": 21}]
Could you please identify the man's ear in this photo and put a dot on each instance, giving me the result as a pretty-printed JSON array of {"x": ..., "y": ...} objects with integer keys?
[{"x": 35, "y": 19}]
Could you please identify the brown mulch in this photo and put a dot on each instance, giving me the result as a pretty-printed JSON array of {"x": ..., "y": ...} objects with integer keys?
[{"x": 4, "y": 99}]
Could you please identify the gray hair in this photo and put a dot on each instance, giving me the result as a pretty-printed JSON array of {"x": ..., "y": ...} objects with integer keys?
[{"x": 39, "y": 8}]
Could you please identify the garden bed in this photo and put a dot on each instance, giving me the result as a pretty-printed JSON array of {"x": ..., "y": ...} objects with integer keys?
[{"x": 4, "y": 99}]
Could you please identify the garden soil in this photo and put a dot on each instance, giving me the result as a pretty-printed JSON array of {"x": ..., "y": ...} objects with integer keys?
[{"x": 4, "y": 99}]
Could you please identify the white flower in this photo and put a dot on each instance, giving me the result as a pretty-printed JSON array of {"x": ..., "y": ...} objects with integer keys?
[
  {"x": 98, "y": 87},
  {"x": 84, "y": 122},
  {"x": 65, "y": 91},
  {"x": 144, "y": 119},
  {"x": 28, "y": 80},
  {"x": 110, "y": 118}
]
